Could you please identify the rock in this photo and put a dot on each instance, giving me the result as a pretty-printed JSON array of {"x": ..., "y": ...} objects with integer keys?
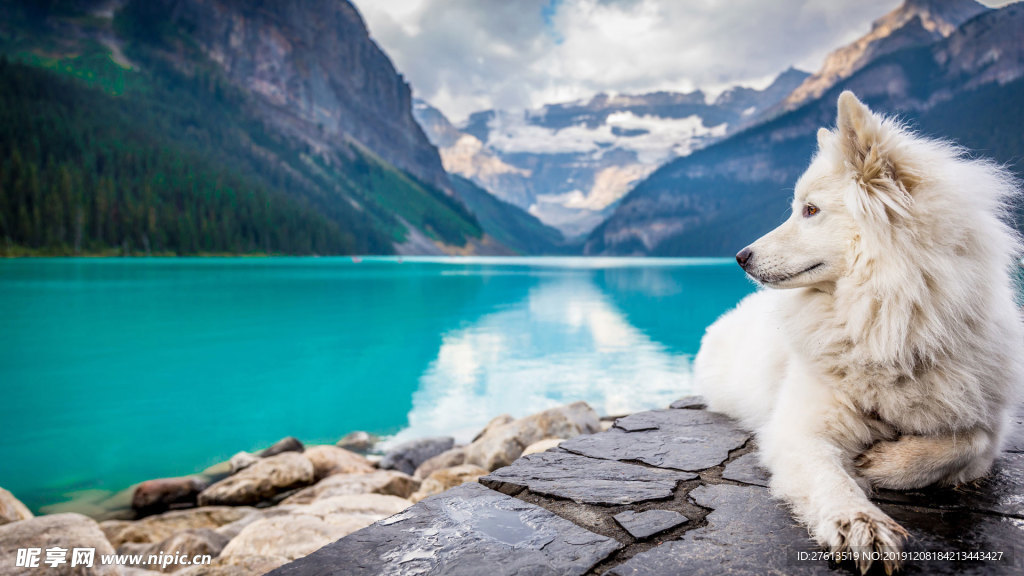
[
  {"x": 241, "y": 461},
  {"x": 190, "y": 543},
  {"x": 644, "y": 524},
  {"x": 495, "y": 422},
  {"x": 261, "y": 481},
  {"x": 747, "y": 533},
  {"x": 65, "y": 531},
  {"x": 1015, "y": 434},
  {"x": 234, "y": 566},
  {"x": 295, "y": 531},
  {"x": 747, "y": 469},
  {"x": 329, "y": 460},
  {"x": 693, "y": 402},
  {"x": 359, "y": 442},
  {"x": 461, "y": 532},
  {"x": 162, "y": 526},
  {"x": 585, "y": 480},
  {"x": 153, "y": 496},
  {"x": 372, "y": 504},
  {"x": 542, "y": 446},
  {"x": 406, "y": 457},
  {"x": 387, "y": 482},
  {"x": 446, "y": 459},
  {"x": 286, "y": 444},
  {"x": 11, "y": 509},
  {"x": 501, "y": 445},
  {"x": 679, "y": 439},
  {"x": 446, "y": 478}
]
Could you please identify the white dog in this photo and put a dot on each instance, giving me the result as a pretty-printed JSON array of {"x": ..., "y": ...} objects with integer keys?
[{"x": 894, "y": 353}]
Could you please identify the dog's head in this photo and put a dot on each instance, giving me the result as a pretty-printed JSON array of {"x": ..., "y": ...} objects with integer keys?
[{"x": 855, "y": 176}]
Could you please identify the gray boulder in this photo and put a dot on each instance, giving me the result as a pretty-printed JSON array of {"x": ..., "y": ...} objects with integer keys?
[
  {"x": 408, "y": 456},
  {"x": 446, "y": 459}
]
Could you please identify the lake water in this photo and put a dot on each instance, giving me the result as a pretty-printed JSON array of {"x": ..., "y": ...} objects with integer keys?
[{"x": 114, "y": 371}]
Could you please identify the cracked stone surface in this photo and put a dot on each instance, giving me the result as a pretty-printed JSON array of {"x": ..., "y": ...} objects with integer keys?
[
  {"x": 689, "y": 440},
  {"x": 748, "y": 532},
  {"x": 649, "y": 523},
  {"x": 629, "y": 501},
  {"x": 585, "y": 480},
  {"x": 746, "y": 469},
  {"x": 458, "y": 533}
]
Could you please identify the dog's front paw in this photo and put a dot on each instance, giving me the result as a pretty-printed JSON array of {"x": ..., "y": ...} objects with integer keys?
[{"x": 865, "y": 536}]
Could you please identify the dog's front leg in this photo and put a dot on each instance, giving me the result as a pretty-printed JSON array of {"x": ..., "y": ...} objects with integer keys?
[{"x": 803, "y": 448}]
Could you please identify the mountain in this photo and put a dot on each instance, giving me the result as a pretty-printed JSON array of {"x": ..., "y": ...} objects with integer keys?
[
  {"x": 510, "y": 225},
  {"x": 966, "y": 86},
  {"x": 568, "y": 164},
  {"x": 914, "y": 23},
  {"x": 198, "y": 113}
]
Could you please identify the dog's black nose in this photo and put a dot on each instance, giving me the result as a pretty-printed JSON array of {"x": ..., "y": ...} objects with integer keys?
[{"x": 743, "y": 257}]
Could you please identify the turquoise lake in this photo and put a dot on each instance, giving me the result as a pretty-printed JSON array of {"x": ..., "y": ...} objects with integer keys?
[{"x": 114, "y": 371}]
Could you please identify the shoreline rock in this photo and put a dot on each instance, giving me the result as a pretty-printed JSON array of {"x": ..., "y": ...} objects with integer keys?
[{"x": 261, "y": 510}]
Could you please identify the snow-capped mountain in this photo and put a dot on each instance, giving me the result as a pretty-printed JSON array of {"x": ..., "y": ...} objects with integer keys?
[{"x": 569, "y": 164}]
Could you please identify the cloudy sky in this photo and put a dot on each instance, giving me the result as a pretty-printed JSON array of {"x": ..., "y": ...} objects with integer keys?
[{"x": 469, "y": 55}]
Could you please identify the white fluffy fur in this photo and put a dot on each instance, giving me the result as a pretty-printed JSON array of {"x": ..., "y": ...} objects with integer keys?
[{"x": 894, "y": 354}]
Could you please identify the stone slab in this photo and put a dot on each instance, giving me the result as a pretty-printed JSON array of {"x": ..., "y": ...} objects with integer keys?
[
  {"x": 959, "y": 531},
  {"x": 643, "y": 524},
  {"x": 747, "y": 469},
  {"x": 459, "y": 533},
  {"x": 1015, "y": 435},
  {"x": 585, "y": 480},
  {"x": 688, "y": 440},
  {"x": 693, "y": 402},
  {"x": 748, "y": 532}
]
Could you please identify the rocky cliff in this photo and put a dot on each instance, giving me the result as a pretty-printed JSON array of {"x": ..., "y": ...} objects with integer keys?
[
  {"x": 317, "y": 75},
  {"x": 914, "y": 23}
]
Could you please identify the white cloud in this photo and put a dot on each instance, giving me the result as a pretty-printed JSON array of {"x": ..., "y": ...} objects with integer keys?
[
  {"x": 468, "y": 55},
  {"x": 506, "y": 362}
]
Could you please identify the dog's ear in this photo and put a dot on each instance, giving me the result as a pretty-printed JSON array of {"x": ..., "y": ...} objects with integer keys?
[
  {"x": 866, "y": 147},
  {"x": 824, "y": 138}
]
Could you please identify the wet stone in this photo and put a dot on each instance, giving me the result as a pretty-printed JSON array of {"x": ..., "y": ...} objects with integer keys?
[
  {"x": 747, "y": 469},
  {"x": 458, "y": 533},
  {"x": 934, "y": 531},
  {"x": 649, "y": 523},
  {"x": 585, "y": 480},
  {"x": 693, "y": 402},
  {"x": 1001, "y": 492},
  {"x": 1015, "y": 437},
  {"x": 680, "y": 439},
  {"x": 748, "y": 532}
]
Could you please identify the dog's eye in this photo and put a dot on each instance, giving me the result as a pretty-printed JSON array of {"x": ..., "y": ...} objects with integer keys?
[{"x": 810, "y": 210}]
